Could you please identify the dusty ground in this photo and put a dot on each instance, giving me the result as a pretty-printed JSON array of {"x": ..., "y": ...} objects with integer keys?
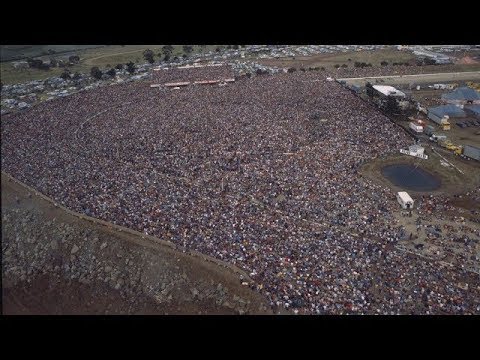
[
  {"x": 56, "y": 263},
  {"x": 449, "y": 177},
  {"x": 457, "y": 226}
]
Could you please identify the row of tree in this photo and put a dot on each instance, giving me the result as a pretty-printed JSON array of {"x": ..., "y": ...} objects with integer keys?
[
  {"x": 96, "y": 73},
  {"x": 41, "y": 65}
]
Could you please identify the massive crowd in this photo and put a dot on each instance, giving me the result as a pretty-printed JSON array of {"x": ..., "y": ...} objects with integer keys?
[
  {"x": 262, "y": 173},
  {"x": 203, "y": 73}
]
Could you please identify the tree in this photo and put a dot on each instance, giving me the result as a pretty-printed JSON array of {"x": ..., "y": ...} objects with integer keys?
[
  {"x": 96, "y": 73},
  {"x": 336, "y": 66},
  {"x": 369, "y": 89},
  {"x": 166, "y": 58},
  {"x": 53, "y": 62},
  {"x": 119, "y": 66},
  {"x": 130, "y": 67},
  {"x": 384, "y": 63},
  {"x": 187, "y": 49},
  {"x": 111, "y": 72},
  {"x": 217, "y": 49},
  {"x": 76, "y": 76},
  {"x": 74, "y": 59},
  {"x": 184, "y": 56},
  {"x": 167, "y": 50},
  {"x": 291, "y": 70},
  {"x": 148, "y": 55},
  {"x": 65, "y": 75},
  {"x": 344, "y": 65}
]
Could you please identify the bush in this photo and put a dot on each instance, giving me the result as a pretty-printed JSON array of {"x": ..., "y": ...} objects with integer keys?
[
  {"x": 336, "y": 66},
  {"x": 344, "y": 65},
  {"x": 111, "y": 72},
  {"x": 148, "y": 56},
  {"x": 74, "y": 59},
  {"x": 65, "y": 75},
  {"x": 119, "y": 66},
  {"x": 291, "y": 70},
  {"x": 384, "y": 63},
  {"x": 96, "y": 73},
  {"x": 130, "y": 67}
]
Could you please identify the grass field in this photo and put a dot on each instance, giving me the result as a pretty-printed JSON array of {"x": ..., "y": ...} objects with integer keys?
[
  {"x": 103, "y": 57},
  {"x": 330, "y": 60}
]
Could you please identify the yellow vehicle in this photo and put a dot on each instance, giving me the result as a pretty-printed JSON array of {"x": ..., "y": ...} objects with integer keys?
[
  {"x": 458, "y": 150},
  {"x": 451, "y": 146},
  {"x": 445, "y": 144},
  {"x": 475, "y": 86},
  {"x": 446, "y": 126}
]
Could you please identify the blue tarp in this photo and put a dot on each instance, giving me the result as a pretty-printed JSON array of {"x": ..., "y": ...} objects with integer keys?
[
  {"x": 475, "y": 109},
  {"x": 450, "y": 110},
  {"x": 462, "y": 93}
]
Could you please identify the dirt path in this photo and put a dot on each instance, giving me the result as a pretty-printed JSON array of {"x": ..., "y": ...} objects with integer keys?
[
  {"x": 57, "y": 263},
  {"x": 88, "y": 60}
]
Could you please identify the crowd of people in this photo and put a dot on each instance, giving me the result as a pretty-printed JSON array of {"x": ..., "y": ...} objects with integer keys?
[
  {"x": 262, "y": 173},
  {"x": 197, "y": 73}
]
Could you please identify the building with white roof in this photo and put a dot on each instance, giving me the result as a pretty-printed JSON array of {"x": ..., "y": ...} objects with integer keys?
[
  {"x": 404, "y": 200},
  {"x": 387, "y": 90}
]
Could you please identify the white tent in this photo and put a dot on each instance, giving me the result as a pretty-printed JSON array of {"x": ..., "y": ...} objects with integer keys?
[{"x": 405, "y": 200}]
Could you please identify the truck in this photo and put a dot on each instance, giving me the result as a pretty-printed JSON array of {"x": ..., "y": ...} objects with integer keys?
[
  {"x": 415, "y": 127},
  {"x": 445, "y": 143},
  {"x": 471, "y": 152},
  {"x": 429, "y": 130},
  {"x": 438, "y": 137}
]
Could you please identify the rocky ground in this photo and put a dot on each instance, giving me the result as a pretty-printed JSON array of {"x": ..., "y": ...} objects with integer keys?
[{"x": 56, "y": 263}]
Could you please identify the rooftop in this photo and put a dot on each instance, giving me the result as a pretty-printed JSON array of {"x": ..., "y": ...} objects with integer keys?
[
  {"x": 462, "y": 93},
  {"x": 388, "y": 90}
]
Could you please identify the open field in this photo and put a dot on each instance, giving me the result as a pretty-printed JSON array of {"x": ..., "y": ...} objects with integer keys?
[
  {"x": 103, "y": 57},
  {"x": 472, "y": 75},
  {"x": 328, "y": 61},
  {"x": 30, "y": 223},
  {"x": 17, "y": 52}
]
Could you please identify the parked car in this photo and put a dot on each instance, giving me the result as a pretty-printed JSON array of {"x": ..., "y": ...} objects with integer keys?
[
  {"x": 460, "y": 124},
  {"x": 476, "y": 123}
]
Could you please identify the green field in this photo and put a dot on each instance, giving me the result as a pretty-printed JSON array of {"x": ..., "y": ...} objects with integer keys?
[
  {"x": 349, "y": 58},
  {"x": 103, "y": 57}
]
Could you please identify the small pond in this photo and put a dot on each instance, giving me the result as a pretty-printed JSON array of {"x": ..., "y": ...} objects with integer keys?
[{"x": 410, "y": 177}]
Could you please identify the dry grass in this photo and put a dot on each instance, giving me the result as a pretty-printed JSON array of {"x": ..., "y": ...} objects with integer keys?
[{"x": 103, "y": 57}]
